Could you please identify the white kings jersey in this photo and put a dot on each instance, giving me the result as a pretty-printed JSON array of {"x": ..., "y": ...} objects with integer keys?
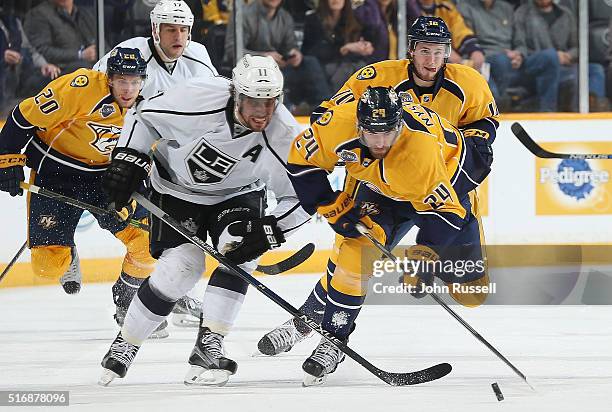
[
  {"x": 202, "y": 156},
  {"x": 195, "y": 62}
]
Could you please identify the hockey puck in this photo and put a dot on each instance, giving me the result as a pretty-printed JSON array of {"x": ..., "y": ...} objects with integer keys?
[{"x": 498, "y": 392}]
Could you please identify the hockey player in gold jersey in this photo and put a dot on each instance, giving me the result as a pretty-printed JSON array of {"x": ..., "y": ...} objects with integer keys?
[
  {"x": 412, "y": 165},
  {"x": 457, "y": 93},
  {"x": 69, "y": 130}
]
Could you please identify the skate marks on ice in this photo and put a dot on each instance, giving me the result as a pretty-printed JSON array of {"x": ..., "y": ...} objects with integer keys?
[{"x": 52, "y": 341}]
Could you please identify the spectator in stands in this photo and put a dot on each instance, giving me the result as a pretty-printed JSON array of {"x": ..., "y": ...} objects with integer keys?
[
  {"x": 299, "y": 8},
  {"x": 117, "y": 27},
  {"x": 511, "y": 63},
  {"x": 541, "y": 25},
  {"x": 268, "y": 30},
  {"x": 214, "y": 11},
  {"x": 64, "y": 34},
  {"x": 334, "y": 37},
  {"x": 466, "y": 49},
  {"x": 379, "y": 21},
  {"x": 23, "y": 71},
  {"x": 209, "y": 28}
]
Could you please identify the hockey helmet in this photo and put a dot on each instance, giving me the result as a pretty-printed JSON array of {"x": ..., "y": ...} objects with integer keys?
[
  {"x": 257, "y": 77},
  {"x": 429, "y": 29},
  {"x": 124, "y": 60},
  {"x": 170, "y": 12},
  {"x": 379, "y": 110}
]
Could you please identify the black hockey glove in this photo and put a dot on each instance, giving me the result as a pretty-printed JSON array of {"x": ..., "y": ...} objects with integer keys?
[
  {"x": 11, "y": 173},
  {"x": 127, "y": 170},
  {"x": 258, "y": 236},
  {"x": 483, "y": 147}
]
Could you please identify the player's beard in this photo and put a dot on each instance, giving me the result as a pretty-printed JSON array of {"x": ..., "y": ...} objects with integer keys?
[
  {"x": 379, "y": 153},
  {"x": 426, "y": 75}
]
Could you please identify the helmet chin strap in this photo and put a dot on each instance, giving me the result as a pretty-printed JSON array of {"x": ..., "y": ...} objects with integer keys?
[
  {"x": 237, "y": 116},
  {"x": 163, "y": 55},
  {"x": 160, "y": 51}
]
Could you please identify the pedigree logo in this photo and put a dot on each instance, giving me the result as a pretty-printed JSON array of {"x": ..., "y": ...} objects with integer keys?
[{"x": 571, "y": 186}]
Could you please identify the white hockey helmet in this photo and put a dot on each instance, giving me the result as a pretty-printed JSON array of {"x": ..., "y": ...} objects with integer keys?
[
  {"x": 170, "y": 12},
  {"x": 257, "y": 77}
]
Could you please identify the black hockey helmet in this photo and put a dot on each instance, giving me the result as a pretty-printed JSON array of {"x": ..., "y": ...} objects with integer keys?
[
  {"x": 123, "y": 60},
  {"x": 379, "y": 110},
  {"x": 429, "y": 29}
]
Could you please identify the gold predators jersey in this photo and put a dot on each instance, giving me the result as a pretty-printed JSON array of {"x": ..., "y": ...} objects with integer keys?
[
  {"x": 460, "y": 94},
  {"x": 424, "y": 166},
  {"x": 76, "y": 123}
]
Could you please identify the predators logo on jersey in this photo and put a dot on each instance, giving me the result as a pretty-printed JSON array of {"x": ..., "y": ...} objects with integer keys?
[
  {"x": 80, "y": 81},
  {"x": 106, "y": 137},
  {"x": 325, "y": 117},
  {"x": 367, "y": 73}
]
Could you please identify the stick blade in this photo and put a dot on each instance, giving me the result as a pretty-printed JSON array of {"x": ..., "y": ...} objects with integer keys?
[
  {"x": 414, "y": 378},
  {"x": 292, "y": 261},
  {"x": 528, "y": 142}
]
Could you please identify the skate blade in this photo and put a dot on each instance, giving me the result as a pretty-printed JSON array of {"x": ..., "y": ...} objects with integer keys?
[
  {"x": 159, "y": 334},
  {"x": 310, "y": 380},
  {"x": 258, "y": 354},
  {"x": 185, "y": 321},
  {"x": 107, "y": 377},
  {"x": 199, "y": 376}
]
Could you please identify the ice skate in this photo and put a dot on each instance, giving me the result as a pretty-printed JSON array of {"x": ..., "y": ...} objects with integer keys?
[
  {"x": 186, "y": 312},
  {"x": 282, "y": 338},
  {"x": 117, "y": 360},
  {"x": 323, "y": 361},
  {"x": 209, "y": 366},
  {"x": 71, "y": 280}
]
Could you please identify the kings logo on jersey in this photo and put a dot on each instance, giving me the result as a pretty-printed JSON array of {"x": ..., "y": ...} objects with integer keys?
[
  {"x": 208, "y": 165},
  {"x": 106, "y": 136}
]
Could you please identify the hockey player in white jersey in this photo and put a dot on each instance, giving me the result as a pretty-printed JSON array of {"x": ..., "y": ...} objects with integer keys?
[
  {"x": 220, "y": 145},
  {"x": 172, "y": 57}
]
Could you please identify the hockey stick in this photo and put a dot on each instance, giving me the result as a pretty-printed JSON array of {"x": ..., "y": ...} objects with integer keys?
[
  {"x": 292, "y": 261},
  {"x": 395, "y": 379},
  {"x": 12, "y": 262},
  {"x": 77, "y": 203},
  {"x": 364, "y": 231},
  {"x": 538, "y": 151},
  {"x": 284, "y": 265}
]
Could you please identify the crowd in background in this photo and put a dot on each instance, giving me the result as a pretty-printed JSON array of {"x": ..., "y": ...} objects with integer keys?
[{"x": 526, "y": 49}]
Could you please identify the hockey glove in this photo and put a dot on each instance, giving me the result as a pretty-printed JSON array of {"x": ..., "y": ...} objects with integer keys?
[
  {"x": 483, "y": 147},
  {"x": 341, "y": 215},
  {"x": 258, "y": 236},
  {"x": 421, "y": 269},
  {"x": 127, "y": 170},
  {"x": 11, "y": 173},
  {"x": 127, "y": 212}
]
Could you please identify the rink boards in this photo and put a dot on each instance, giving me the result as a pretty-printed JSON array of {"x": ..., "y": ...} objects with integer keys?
[{"x": 525, "y": 201}]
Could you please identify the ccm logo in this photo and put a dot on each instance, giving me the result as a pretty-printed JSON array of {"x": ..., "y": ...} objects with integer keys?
[{"x": 130, "y": 158}]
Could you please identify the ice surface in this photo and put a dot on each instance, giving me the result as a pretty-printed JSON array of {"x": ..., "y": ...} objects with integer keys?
[{"x": 52, "y": 341}]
